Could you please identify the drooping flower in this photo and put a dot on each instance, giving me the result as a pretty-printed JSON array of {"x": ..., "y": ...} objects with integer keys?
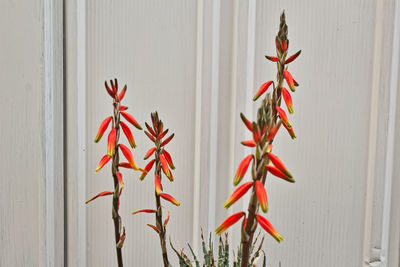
[
  {"x": 103, "y": 162},
  {"x": 111, "y": 142},
  {"x": 288, "y": 99},
  {"x": 158, "y": 185},
  {"x": 241, "y": 171},
  {"x": 278, "y": 173},
  {"x": 261, "y": 196},
  {"x": 169, "y": 159},
  {"x": 164, "y": 166},
  {"x": 279, "y": 164},
  {"x": 231, "y": 220},
  {"x": 147, "y": 169},
  {"x": 131, "y": 119},
  {"x": 264, "y": 87},
  {"x": 170, "y": 199},
  {"x": 128, "y": 155},
  {"x": 289, "y": 80},
  {"x": 267, "y": 226},
  {"x": 105, "y": 193},
  {"x": 283, "y": 116},
  {"x": 103, "y": 127},
  {"x": 128, "y": 134},
  {"x": 237, "y": 194}
]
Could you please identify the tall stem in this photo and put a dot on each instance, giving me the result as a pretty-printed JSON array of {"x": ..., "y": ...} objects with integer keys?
[
  {"x": 115, "y": 168},
  {"x": 159, "y": 219}
]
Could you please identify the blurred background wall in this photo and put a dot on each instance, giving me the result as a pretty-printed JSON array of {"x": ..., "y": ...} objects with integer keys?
[{"x": 198, "y": 63}]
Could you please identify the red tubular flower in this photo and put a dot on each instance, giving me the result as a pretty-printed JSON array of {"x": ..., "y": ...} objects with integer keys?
[
  {"x": 150, "y": 129},
  {"x": 283, "y": 116},
  {"x": 289, "y": 80},
  {"x": 103, "y": 127},
  {"x": 273, "y": 131},
  {"x": 237, "y": 194},
  {"x": 171, "y": 177},
  {"x": 111, "y": 142},
  {"x": 164, "y": 165},
  {"x": 103, "y": 162},
  {"x": 149, "y": 152},
  {"x": 128, "y": 134},
  {"x": 249, "y": 143},
  {"x": 166, "y": 220},
  {"x": 122, "y": 94},
  {"x": 154, "y": 228},
  {"x": 279, "y": 164},
  {"x": 105, "y": 193},
  {"x": 147, "y": 169},
  {"x": 288, "y": 99},
  {"x": 144, "y": 211},
  {"x": 109, "y": 91},
  {"x": 293, "y": 57},
  {"x": 121, "y": 182},
  {"x": 290, "y": 131},
  {"x": 264, "y": 87},
  {"x": 170, "y": 199},
  {"x": 166, "y": 141},
  {"x": 273, "y": 59},
  {"x": 241, "y": 171},
  {"x": 267, "y": 226},
  {"x": 278, "y": 173},
  {"x": 262, "y": 196},
  {"x": 125, "y": 165},
  {"x": 131, "y": 119},
  {"x": 169, "y": 159},
  {"x": 122, "y": 108},
  {"x": 158, "y": 185},
  {"x": 128, "y": 155},
  {"x": 231, "y": 220},
  {"x": 246, "y": 122},
  {"x": 161, "y": 135}
]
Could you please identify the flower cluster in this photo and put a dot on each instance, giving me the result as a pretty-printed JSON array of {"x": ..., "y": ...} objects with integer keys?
[
  {"x": 162, "y": 161},
  {"x": 113, "y": 148},
  {"x": 270, "y": 117}
]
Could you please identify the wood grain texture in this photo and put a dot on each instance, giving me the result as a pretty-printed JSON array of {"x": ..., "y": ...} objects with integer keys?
[{"x": 22, "y": 137}]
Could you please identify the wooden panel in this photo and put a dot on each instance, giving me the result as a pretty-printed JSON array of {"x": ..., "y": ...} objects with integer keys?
[{"x": 22, "y": 137}]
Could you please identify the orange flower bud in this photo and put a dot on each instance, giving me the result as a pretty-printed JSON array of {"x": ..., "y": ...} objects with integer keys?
[
  {"x": 241, "y": 171},
  {"x": 262, "y": 196},
  {"x": 109, "y": 91},
  {"x": 147, "y": 169},
  {"x": 154, "y": 228},
  {"x": 267, "y": 226},
  {"x": 164, "y": 165},
  {"x": 293, "y": 57},
  {"x": 273, "y": 59},
  {"x": 288, "y": 99},
  {"x": 231, "y": 220},
  {"x": 105, "y": 193},
  {"x": 170, "y": 199},
  {"x": 278, "y": 173},
  {"x": 111, "y": 142},
  {"x": 169, "y": 159},
  {"x": 249, "y": 143},
  {"x": 264, "y": 87},
  {"x": 158, "y": 185},
  {"x": 128, "y": 134},
  {"x": 161, "y": 135},
  {"x": 128, "y": 155},
  {"x": 166, "y": 141},
  {"x": 149, "y": 152},
  {"x": 290, "y": 131},
  {"x": 289, "y": 80},
  {"x": 283, "y": 116},
  {"x": 237, "y": 194},
  {"x": 278, "y": 163},
  {"x": 144, "y": 211},
  {"x": 246, "y": 122},
  {"x": 114, "y": 86},
  {"x": 122, "y": 108},
  {"x": 103, "y": 127},
  {"x": 122, "y": 94},
  {"x": 103, "y": 162},
  {"x": 131, "y": 119},
  {"x": 150, "y": 129}
]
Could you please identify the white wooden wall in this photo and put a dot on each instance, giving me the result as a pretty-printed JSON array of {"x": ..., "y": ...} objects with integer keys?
[{"x": 199, "y": 63}]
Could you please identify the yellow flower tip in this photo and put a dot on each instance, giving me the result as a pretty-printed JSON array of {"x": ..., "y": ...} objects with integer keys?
[{"x": 278, "y": 238}]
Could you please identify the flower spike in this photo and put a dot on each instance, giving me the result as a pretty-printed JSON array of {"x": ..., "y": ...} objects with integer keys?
[
  {"x": 289, "y": 80},
  {"x": 128, "y": 155},
  {"x": 231, "y": 220},
  {"x": 105, "y": 193},
  {"x": 264, "y": 87},
  {"x": 103, "y": 127},
  {"x": 103, "y": 162},
  {"x": 288, "y": 99},
  {"x": 278, "y": 173},
  {"x": 237, "y": 194},
  {"x": 267, "y": 226},
  {"x": 170, "y": 199},
  {"x": 128, "y": 134},
  {"x": 262, "y": 196},
  {"x": 131, "y": 119},
  {"x": 241, "y": 171}
]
